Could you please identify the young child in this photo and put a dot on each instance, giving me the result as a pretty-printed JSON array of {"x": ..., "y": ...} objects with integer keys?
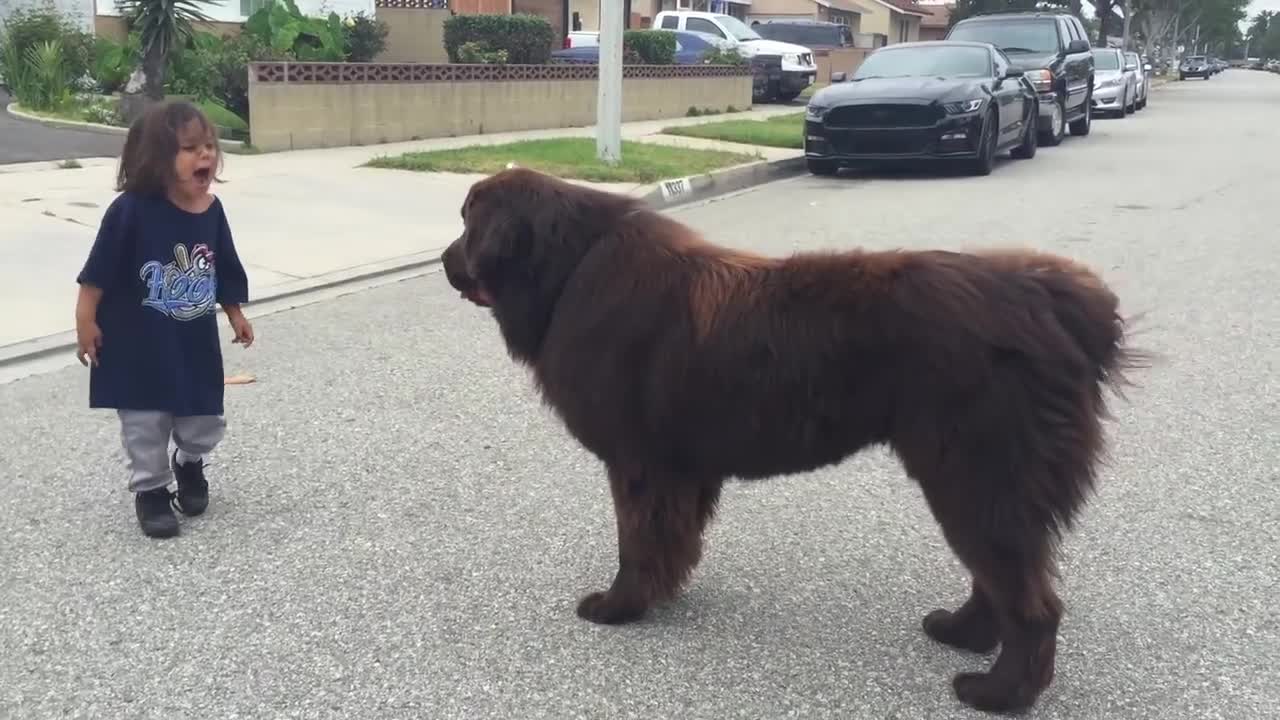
[{"x": 146, "y": 321}]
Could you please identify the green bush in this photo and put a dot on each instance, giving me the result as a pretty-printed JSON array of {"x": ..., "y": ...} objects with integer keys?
[
  {"x": 526, "y": 39},
  {"x": 33, "y": 26},
  {"x": 654, "y": 47},
  {"x": 113, "y": 62},
  {"x": 474, "y": 53},
  {"x": 283, "y": 28},
  {"x": 364, "y": 37},
  {"x": 720, "y": 56}
]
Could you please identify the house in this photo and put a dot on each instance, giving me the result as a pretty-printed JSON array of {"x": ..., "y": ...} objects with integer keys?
[
  {"x": 843, "y": 12},
  {"x": 897, "y": 20},
  {"x": 934, "y": 27}
]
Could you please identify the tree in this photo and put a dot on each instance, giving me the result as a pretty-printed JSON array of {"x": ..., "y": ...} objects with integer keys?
[{"x": 163, "y": 26}]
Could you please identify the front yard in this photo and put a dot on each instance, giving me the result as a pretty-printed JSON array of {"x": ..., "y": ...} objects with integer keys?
[
  {"x": 569, "y": 158},
  {"x": 781, "y": 131}
]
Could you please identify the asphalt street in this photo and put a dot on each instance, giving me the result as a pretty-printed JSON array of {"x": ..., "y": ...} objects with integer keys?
[
  {"x": 27, "y": 141},
  {"x": 399, "y": 529}
]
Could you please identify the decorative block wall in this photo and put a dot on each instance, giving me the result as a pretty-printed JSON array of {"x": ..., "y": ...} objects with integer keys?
[{"x": 306, "y": 105}]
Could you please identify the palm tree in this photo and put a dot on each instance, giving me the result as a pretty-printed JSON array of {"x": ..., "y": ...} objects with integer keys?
[{"x": 163, "y": 26}]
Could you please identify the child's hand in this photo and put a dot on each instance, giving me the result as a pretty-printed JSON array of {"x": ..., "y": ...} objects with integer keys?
[
  {"x": 243, "y": 329},
  {"x": 88, "y": 342}
]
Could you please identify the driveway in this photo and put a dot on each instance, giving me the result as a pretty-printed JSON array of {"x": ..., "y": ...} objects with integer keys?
[{"x": 26, "y": 141}]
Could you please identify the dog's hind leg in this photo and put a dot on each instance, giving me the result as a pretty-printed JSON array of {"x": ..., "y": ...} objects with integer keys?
[
  {"x": 660, "y": 519},
  {"x": 1009, "y": 552}
]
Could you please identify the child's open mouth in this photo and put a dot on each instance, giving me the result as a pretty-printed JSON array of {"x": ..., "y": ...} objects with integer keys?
[{"x": 202, "y": 175}]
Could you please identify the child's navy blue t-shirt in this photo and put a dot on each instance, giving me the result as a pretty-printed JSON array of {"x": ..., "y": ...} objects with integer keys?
[{"x": 162, "y": 270}]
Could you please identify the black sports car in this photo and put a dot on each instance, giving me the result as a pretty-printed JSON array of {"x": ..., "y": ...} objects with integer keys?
[{"x": 930, "y": 100}]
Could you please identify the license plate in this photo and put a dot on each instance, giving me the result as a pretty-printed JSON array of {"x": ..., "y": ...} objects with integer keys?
[{"x": 810, "y": 80}]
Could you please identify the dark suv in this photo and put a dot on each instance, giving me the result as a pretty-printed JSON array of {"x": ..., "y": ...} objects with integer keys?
[{"x": 1053, "y": 49}]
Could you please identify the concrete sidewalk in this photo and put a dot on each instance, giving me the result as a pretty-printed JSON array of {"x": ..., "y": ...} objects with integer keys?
[{"x": 300, "y": 218}]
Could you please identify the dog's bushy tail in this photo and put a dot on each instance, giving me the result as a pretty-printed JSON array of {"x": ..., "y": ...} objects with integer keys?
[{"x": 1089, "y": 311}]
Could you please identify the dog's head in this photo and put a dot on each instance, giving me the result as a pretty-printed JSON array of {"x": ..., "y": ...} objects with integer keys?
[{"x": 524, "y": 233}]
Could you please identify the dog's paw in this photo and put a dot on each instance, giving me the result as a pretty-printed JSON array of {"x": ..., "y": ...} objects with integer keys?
[
  {"x": 970, "y": 633},
  {"x": 606, "y": 608},
  {"x": 990, "y": 693}
]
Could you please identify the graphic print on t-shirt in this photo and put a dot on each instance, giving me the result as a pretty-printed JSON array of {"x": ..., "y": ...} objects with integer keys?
[{"x": 186, "y": 287}]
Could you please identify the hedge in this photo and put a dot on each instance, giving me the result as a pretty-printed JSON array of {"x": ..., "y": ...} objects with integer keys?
[
  {"x": 526, "y": 39},
  {"x": 654, "y": 47}
]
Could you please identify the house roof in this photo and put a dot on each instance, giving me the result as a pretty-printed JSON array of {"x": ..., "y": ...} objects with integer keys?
[
  {"x": 845, "y": 5},
  {"x": 909, "y": 7},
  {"x": 939, "y": 15}
]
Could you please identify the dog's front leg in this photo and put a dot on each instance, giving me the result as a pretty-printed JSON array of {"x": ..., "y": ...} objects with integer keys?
[{"x": 660, "y": 519}]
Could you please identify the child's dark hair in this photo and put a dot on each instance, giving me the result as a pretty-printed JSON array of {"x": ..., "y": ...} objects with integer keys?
[{"x": 146, "y": 164}]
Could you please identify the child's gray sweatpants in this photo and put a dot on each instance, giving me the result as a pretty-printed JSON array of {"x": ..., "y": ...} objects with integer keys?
[{"x": 146, "y": 433}]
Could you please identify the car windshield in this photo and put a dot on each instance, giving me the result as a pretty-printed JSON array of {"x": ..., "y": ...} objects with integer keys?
[
  {"x": 1012, "y": 37},
  {"x": 737, "y": 29},
  {"x": 936, "y": 61},
  {"x": 1196, "y": 58},
  {"x": 807, "y": 35},
  {"x": 1106, "y": 60}
]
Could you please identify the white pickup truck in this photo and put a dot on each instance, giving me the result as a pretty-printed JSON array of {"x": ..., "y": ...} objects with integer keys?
[{"x": 798, "y": 67}]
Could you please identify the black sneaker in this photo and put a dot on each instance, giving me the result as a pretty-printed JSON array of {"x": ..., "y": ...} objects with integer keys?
[
  {"x": 193, "y": 489},
  {"x": 154, "y": 513}
]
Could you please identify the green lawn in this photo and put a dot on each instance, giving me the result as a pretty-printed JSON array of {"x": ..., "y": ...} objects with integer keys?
[
  {"x": 784, "y": 131},
  {"x": 569, "y": 158}
]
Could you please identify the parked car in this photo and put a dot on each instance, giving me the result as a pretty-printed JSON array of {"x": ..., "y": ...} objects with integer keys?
[
  {"x": 1194, "y": 66},
  {"x": 1142, "y": 74},
  {"x": 813, "y": 34},
  {"x": 691, "y": 49},
  {"x": 1053, "y": 49},
  {"x": 1114, "y": 90},
  {"x": 928, "y": 100},
  {"x": 798, "y": 67}
]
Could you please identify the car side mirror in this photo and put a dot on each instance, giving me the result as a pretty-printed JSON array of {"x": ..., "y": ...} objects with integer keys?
[
  {"x": 1012, "y": 73},
  {"x": 837, "y": 77},
  {"x": 1078, "y": 46}
]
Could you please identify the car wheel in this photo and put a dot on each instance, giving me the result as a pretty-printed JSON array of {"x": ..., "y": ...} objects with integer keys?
[
  {"x": 1057, "y": 128},
  {"x": 1027, "y": 148},
  {"x": 824, "y": 168},
  {"x": 987, "y": 151},
  {"x": 1082, "y": 126}
]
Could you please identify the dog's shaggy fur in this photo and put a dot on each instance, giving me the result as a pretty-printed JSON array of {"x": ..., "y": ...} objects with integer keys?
[{"x": 681, "y": 364}]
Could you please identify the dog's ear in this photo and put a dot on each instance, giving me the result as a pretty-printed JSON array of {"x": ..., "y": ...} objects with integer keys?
[{"x": 500, "y": 238}]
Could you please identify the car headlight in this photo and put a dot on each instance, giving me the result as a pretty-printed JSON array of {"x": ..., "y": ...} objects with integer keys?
[
  {"x": 814, "y": 112},
  {"x": 964, "y": 106},
  {"x": 793, "y": 58},
  {"x": 1041, "y": 80},
  {"x": 1113, "y": 82}
]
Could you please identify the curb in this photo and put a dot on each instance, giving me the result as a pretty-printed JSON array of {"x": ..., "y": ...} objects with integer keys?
[
  {"x": 681, "y": 191},
  {"x": 228, "y": 145},
  {"x": 665, "y": 194},
  {"x": 37, "y": 348}
]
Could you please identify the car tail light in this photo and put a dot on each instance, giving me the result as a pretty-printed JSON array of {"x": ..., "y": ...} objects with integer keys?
[
  {"x": 1041, "y": 79},
  {"x": 566, "y": 44}
]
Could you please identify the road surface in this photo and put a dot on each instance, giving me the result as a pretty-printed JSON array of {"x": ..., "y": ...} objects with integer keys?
[
  {"x": 399, "y": 529},
  {"x": 27, "y": 141}
]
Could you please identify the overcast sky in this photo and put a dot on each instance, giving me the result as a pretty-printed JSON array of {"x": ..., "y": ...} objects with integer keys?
[{"x": 1259, "y": 5}]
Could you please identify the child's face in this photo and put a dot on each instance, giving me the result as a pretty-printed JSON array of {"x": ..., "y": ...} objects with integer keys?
[{"x": 196, "y": 160}]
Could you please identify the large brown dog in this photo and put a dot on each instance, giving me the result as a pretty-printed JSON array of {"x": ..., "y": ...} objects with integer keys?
[{"x": 681, "y": 364}]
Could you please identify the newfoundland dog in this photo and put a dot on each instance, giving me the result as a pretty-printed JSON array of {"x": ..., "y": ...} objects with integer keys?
[{"x": 680, "y": 364}]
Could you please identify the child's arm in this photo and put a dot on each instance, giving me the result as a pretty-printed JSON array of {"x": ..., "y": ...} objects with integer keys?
[
  {"x": 88, "y": 334},
  {"x": 233, "y": 285},
  {"x": 100, "y": 273}
]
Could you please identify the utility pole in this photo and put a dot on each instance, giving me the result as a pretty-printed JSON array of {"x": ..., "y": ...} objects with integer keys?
[
  {"x": 1127, "y": 18},
  {"x": 609, "y": 94}
]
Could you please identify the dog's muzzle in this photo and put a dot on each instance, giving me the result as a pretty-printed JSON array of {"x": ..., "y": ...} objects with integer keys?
[{"x": 455, "y": 272}]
